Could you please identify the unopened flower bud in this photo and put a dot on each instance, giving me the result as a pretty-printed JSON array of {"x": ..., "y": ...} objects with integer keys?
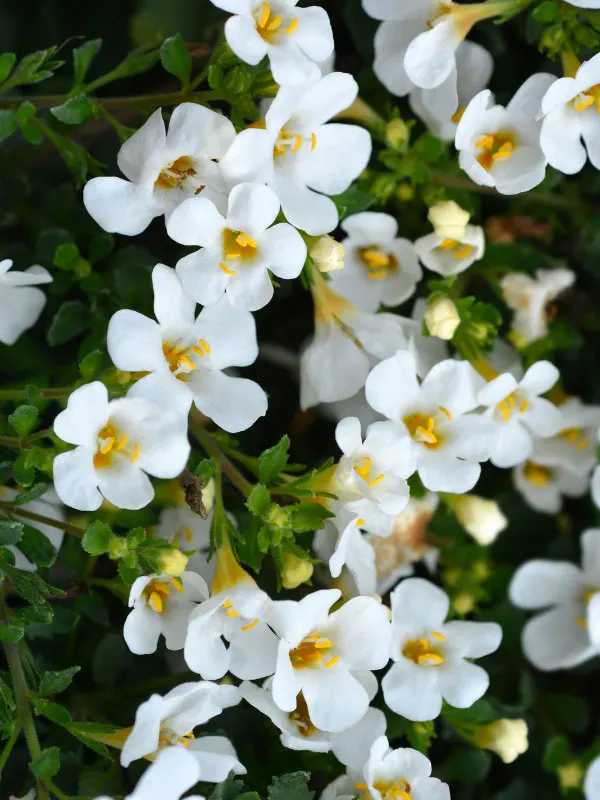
[
  {"x": 397, "y": 134},
  {"x": 442, "y": 319},
  {"x": 405, "y": 192},
  {"x": 449, "y": 220},
  {"x": 277, "y": 517},
  {"x": 208, "y": 495},
  {"x": 463, "y": 603},
  {"x": 295, "y": 571},
  {"x": 171, "y": 562},
  {"x": 480, "y": 517},
  {"x": 506, "y": 737},
  {"x": 327, "y": 254},
  {"x": 570, "y": 775}
]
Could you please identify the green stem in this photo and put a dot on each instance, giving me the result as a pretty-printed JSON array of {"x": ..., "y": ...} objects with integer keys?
[
  {"x": 210, "y": 445},
  {"x": 47, "y": 394},
  {"x": 9, "y": 746},
  {"x": 74, "y": 530},
  {"x": 59, "y": 792},
  {"x": 15, "y": 441},
  {"x": 138, "y": 102}
]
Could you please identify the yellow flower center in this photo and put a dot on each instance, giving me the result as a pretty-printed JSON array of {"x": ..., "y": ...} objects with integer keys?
[
  {"x": 514, "y": 403},
  {"x": 576, "y": 437},
  {"x": 377, "y": 263},
  {"x": 587, "y": 596},
  {"x": 424, "y": 429},
  {"x": 301, "y": 718},
  {"x": 363, "y": 469},
  {"x": 177, "y": 174},
  {"x": 537, "y": 474},
  {"x": 232, "y": 613},
  {"x": 236, "y": 244},
  {"x": 158, "y": 590},
  {"x": 312, "y": 652},
  {"x": 494, "y": 147},
  {"x": 269, "y": 23},
  {"x": 588, "y": 98},
  {"x": 288, "y": 141},
  {"x": 458, "y": 249},
  {"x": 395, "y": 790},
  {"x": 110, "y": 441},
  {"x": 168, "y": 738},
  {"x": 423, "y": 652},
  {"x": 180, "y": 359}
]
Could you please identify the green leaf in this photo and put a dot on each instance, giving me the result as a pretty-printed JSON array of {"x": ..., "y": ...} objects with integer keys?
[
  {"x": 85, "y": 730},
  {"x": 557, "y": 753},
  {"x": 90, "y": 365},
  {"x": 83, "y": 57},
  {"x": 74, "y": 111},
  {"x": 56, "y": 682},
  {"x": 66, "y": 256},
  {"x": 216, "y": 77},
  {"x": 96, "y": 538},
  {"x": 352, "y": 201},
  {"x": 23, "y": 419},
  {"x": 206, "y": 469},
  {"x": 31, "y": 494},
  {"x": 139, "y": 60},
  {"x": 11, "y": 532},
  {"x": 258, "y": 500},
  {"x": 428, "y": 148},
  {"x": 23, "y": 472},
  {"x": 37, "y": 547},
  {"x": 6, "y": 695},
  {"x": 230, "y": 789},
  {"x": 420, "y": 734},
  {"x": 47, "y": 764},
  {"x": 293, "y": 786},
  {"x": 53, "y": 711},
  {"x": 466, "y": 764},
  {"x": 239, "y": 80},
  {"x": 11, "y": 633},
  {"x": 35, "y": 68},
  {"x": 309, "y": 516},
  {"x": 176, "y": 59},
  {"x": 73, "y": 154},
  {"x": 545, "y": 12},
  {"x": 71, "y": 319},
  {"x": 7, "y": 62},
  {"x": 8, "y": 123},
  {"x": 272, "y": 462}
]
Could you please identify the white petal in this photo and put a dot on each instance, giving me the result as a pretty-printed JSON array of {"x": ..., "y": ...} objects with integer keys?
[
  {"x": 305, "y": 209},
  {"x": 289, "y": 65},
  {"x": 540, "y": 377},
  {"x": 419, "y": 603},
  {"x": 125, "y": 485},
  {"x": 463, "y": 683},
  {"x": 313, "y": 34},
  {"x": 134, "y": 342},
  {"x": 233, "y": 404},
  {"x": 143, "y": 739},
  {"x": 430, "y": 57},
  {"x": 348, "y": 435},
  {"x": 560, "y": 140},
  {"x": 510, "y": 444},
  {"x": 250, "y": 158},
  {"x": 553, "y": 640},
  {"x": 326, "y": 98},
  {"x": 352, "y": 746},
  {"x": 244, "y": 39},
  {"x": 163, "y": 389},
  {"x": 86, "y": 413},
  {"x": 231, "y": 334},
  {"x": 412, "y": 691},
  {"x": 252, "y": 208},
  {"x": 119, "y": 206},
  {"x": 216, "y": 758},
  {"x": 473, "y": 639},
  {"x": 196, "y": 221},
  {"x": 391, "y": 42},
  {"x": 370, "y": 227},
  {"x": 362, "y": 633},
  {"x": 141, "y": 148},
  {"x": 171, "y": 775},
  {"x": 75, "y": 479},
  {"x": 251, "y": 289},
  {"x": 341, "y": 154},
  {"x": 335, "y": 699},
  {"x": 284, "y": 250},
  {"x": 452, "y": 384},
  {"x": 20, "y": 308},
  {"x": 590, "y": 557},
  {"x": 538, "y": 583},
  {"x": 195, "y": 130},
  {"x": 253, "y": 653},
  {"x": 443, "y": 474},
  {"x": 392, "y": 385},
  {"x": 141, "y": 630},
  {"x": 202, "y": 277}
]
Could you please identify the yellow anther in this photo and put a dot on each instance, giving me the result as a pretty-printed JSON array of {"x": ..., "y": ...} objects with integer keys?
[
  {"x": 439, "y": 636},
  {"x": 107, "y": 446},
  {"x": 581, "y": 622},
  {"x": 313, "y": 141},
  {"x": 197, "y": 350},
  {"x": 187, "y": 532},
  {"x": 504, "y": 151},
  {"x": 427, "y": 435},
  {"x": 244, "y": 240},
  {"x": 585, "y": 102},
  {"x": 187, "y": 361},
  {"x": 204, "y": 345},
  {"x": 177, "y": 584},
  {"x": 362, "y": 787},
  {"x": 537, "y": 474},
  {"x": 448, "y": 244},
  {"x": 588, "y": 594},
  {"x": 375, "y": 258},
  {"x": 265, "y": 13},
  {"x": 524, "y": 406},
  {"x": 445, "y": 412},
  {"x": 323, "y": 644},
  {"x": 332, "y": 662},
  {"x": 292, "y": 26},
  {"x": 364, "y": 468},
  {"x": 485, "y": 141},
  {"x": 463, "y": 252},
  {"x": 232, "y": 613},
  {"x": 122, "y": 442},
  {"x": 360, "y": 522},
  {"x": 297, "y": 143},
  {"x": 274, "y": 24},
  {"x": 155, "y": 602},
  {"x": 430, "y": 658},
  {"x": 376, "y": 276},
  {"x": 227, "y": 604},
  {"x": 252, "y": 625},
  {"x": 376, "y": 480},
  {"x": 136, "y": 454},
  {"x": 226, "y": 269}
]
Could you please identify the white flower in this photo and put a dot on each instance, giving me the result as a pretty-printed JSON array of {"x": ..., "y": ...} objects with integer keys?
[
  {"x": 442, "y": 319},
  {"x": 543, "y": 486},
  {"x": 299, "y": 155},
  {"x": 20, "y": 302},
  {"x": 480, "y": 517},
  {"x": 570, "y": 108},
  {"x": 441, "y": 108},
  {"x": 161, "y": 604},
  {"x": 319, "y": 654},
  {"x": 185, "y": 355},
  {"x": 516, "y": 412},
  {"x": 328, "y": 254},
  {"x": 173, "y": 773},
  {"x": 47, "y": 506},
  {"x": 389, "y": 775},
  {"x": 162, "y": 169},
  {"x": 350, "y": 746},
  {"x": 293, "y": 38},
  {"x": 119, "y": 443},
  {"x": 237, "y": 249},
  {"x": 591, "y": 784},
  {"x": 507, "y": 737},
  {"x": 446, "y": 441},
  {"x": 574, "y": 446},
  {"x": 501, "y": 146},
  {"x": 531, "y": 299},
  {"x": 187, "y": 530},
  {"x": 169, "y": 721},
  {"x": 380, "y": 268},
  {"x": 568, "y": 632},
  {"x": 448, "y": 255},
  {"x": 236, "y": 613},
  {"x": 431, "y": 654}
]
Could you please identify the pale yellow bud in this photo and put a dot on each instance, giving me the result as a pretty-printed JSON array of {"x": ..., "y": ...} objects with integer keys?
[
  {"x": 208, "y": 494},
  {"x": 570, "y": 775},
  {"x": 449, "y": 220},
  {"x": 327, "y": 254},
  {"x": 442, "y": 319},
  {"x": 480, "y": 517},
  {"x": 464, "y": 603},
  {"x": 172, "y": 562},
  {"x": 506, "y": 737},
  {"x": 397, "y": 134},
  {"x": 295, "y": 571}
]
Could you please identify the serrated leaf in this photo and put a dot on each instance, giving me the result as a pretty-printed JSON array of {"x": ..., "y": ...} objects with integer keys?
[
  {"x": 259, "y": 500},
  {"x": 206, "y": 469},
  {"x": 53, "y": 711},
  {"x": 56, "y": 682},
  {"x": 230, "y": 789},
  {"x": 84, "y": 730},
  {"x": 7, "y": 62},
  {"x": 95, "y": 539},
  {"x": 74, "y": 111},
  {"x": 272, "y": 462},
  {"x": 293, "y": 786},
  {"x": 8, "y": 123},
  {"x": 22, "y": 472},
  {"x": 11, "y": 633},
  {"x": 83, "y": 57},
  {"x": 47, "y": 764},
  {"x": 71, "y": 319},
  {"x": 6, "y": 695},
  {"x": 23, "y": 419},
  {"x": 37, "y": 547},
  {"x": 11, "y": 532},
  {"x": 309, "y": 517},
  {"x": 176, "y": 59},
  {"x": 28, "y": 496}
]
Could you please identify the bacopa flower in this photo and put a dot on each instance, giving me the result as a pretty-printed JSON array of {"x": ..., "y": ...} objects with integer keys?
[
  {"x": 543, "y": 486},
  {"x": 118, "y": 444},
  {"x": 320, "y": 653},
  {"x": 431, "y": 656},
  {"x": 238, "y": 249},
  {"x": 532, "y": 301},
  {"x": 442, "y": 108},
  {"x": 188, "y": 531},
  {"x": 300, "y": 154},
  {"x": 516, "y": 411},
  {"x": 446, "y": 441},
  {"x": 389, "y": 774},
  {"x": 169, "y": 721},
  {"x": 567, "y": 632},
  {"x": 379, "y": 268},
  {"x": 162, "y": 169},
  {"x": 21, "y": 303},
  {"x": 591, "y": 783},
  {"x": 574, "y": 446},
  {"x": 450, "y": 255},
  {"x": 185, "y": 355},
  {"x": 294, "y": 39},
  {"x": 161, "y": 605},
  {"x": 500, "y": 146},
  {"x": 350, "y": 746},
  {"x": 173, "y": 773},
  {"x": 49, "y": 506}
]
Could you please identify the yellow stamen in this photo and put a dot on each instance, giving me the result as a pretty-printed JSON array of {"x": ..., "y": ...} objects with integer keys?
[
  {"x": 362, "y": 787},
  {"x": 155, "y": 602},
  {"x": 232, "y": 613},
  {"x": 323, "y": 644},
  {"x": 226, "y": 269},
  {"x": 313, "y": 141},
  {"x": 187, "y": 532},
  {"x": 364, "y": 468},
  {"x": 122, "y": 442},
  {"x": 265, "y": 13},
  {"x": 445, "y": 411},
  {"x": 177, "y": 584},
  {"x": 204, "y": 344},
  {"x": 197, "y": 350},
  {"x": 439, "y": 636},
  {"x": 244, "y": 240},
  {"x": 252, "y": 625},
  {"x": 332, "y": 662},
  {"x": 292, "y": 26},
  {"x": 274, "y": 24},
  {"x": 187, "y": 361},
  {"x": 107, "y": 446},
  {"x": 581, "y": 622},
  {"x": 136, "y": 454},
  {"x": 227, "y": 604},
  {"x": 297, "y": 143},
  {"x": 585, "y": 102},
  {"x": 360, "y": 522},
  {"x": 376, "y": 480}
]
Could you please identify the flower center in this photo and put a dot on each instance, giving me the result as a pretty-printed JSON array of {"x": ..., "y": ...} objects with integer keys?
[
  {"x": 424, "y": 429},
  {"x": 301, "y": 718},
  {"x": 290, "y": 141},
  {"x": 180, "y": 358},
  {"x": 232, "y": 613},
  {"x": 180, "y": 172},
  {"x": 587, "y": 99},
  {"x": 363, "y": 469},
  {"x": 269, "y": 23},
  {"x": 108, "y": 442},
  {"x": 458, "y": 249},
  {"x": 494, "y": 147},
  {"x": 377, "y": 263},
  {"x": 157, "y": 591},
  {"x": 514, "y": 403},
  {"x": 576, "y": 437},
  {"x": 168, "y": 738},
  {"x": 237, "y": 244},
  {"x": 311, "y": 651},
  {"x": 423, "y": 652},
  {"x": 587, "y": 596},
  {"x": 396, "y": 790},
  {"x": 537, "y": 474}
]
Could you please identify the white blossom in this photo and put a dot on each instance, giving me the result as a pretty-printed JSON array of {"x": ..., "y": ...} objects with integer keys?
[
  {"x": 174, "y": 772},
  {"x": 574, "y": 446},
  {"x": 591, "y": 783},
  {"x": 451, "y": 255},
  {"x": 21, "y": 303},
  {"x": 188, "y": 531},
  {"x": 543, "y": 486}
]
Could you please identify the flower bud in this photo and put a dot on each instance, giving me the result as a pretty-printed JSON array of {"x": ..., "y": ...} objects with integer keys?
[
  {"x": 295, "y": 571},
  {"x": 405, "y": 192},
  {"x": 506, "y": 737},
  {"x": 171, "y": 562},
  {"x": 448, "y": 219},
  {"x": 480, "y": 517},
  {"x": 208, "y": 495},
  {"x": 463, "y": 603},
  {"x": 570, "y": 775},
  {"x": 327, "y": 254},
  {"x": 442, "y": 319},
  {"x": 397, "y": 134}
]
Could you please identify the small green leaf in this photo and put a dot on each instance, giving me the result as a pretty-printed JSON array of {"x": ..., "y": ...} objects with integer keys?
[
  {"x": 309, "y": 517},
  {"x": 90, "y": 365},
  {"x": 11, "y": 532},
  {"x": 52, "y": 711},
  {"x": 56, "y": 682},
  {"x": 352, "y": 201},
  {"x": 230, "y": 789},
  {"x": 37, "y": 547},
  {"x": 428, "y": 148},
  {"x": 206, "y": 469},
  {"x": 239, "y": 80},
  {"x": 11, "y": 633},
  {"x": 176, "y": 59},
  {"x": 6, "y": 695},
  {"x": 96, "y": 538},
  {"x": 74, "y": 111},
  {"x": 137, "y": 61},
  {"x": 22, "y": 471},
  {"x": 259, "y": 500},
  {"x": 557, "y": 753},
  {"x": 83, "y": 57},
  {"x": 293, "y": 786},
  {"x": 23, "y": 419},
  {"x": 71, "y": 319},
  {"x": 7, "y": 62},
  {"x": 545, "y": 12},
  {"x": 66, "y": 256},
  {"x": 31, "y": 494},
  {"x": 47, "y": 764},
  {"x": 272, "y": 462},
  {"x": 8, "y": 123},
  {"x": 84, "y": 731}
]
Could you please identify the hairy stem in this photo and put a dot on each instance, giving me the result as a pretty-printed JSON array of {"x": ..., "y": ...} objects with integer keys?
[
  {"x": 74, "y": 530},
  {"x": 139, "y": 102},
  {"x": 210, "y": 445},
  {"x": 9, "y": 746},
  {"x": 47, "y": 394}
]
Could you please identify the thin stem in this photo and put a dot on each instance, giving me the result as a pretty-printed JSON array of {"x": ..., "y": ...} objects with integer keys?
[
  {"x": 47, "y": 394},
  {"x": 210, "y": 445},
  {"x": 58, "y": 792},
  {"x": 74, "y": 530},
  {"x": 138, "y": 102},
  {"x": 9, "y": 746},
  {"x": 17, "y": 442}
]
